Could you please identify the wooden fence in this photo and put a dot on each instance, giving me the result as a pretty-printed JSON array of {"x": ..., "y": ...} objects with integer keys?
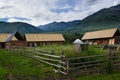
[
  {"x": 65, "y": 65},
  {"x": 57, "y": 61},
  {"x": 96, "y": 63}
]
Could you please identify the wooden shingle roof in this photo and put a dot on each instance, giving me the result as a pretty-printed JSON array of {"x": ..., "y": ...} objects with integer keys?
[
  {"x": 100, "y": 34},
  {"x": 44, "y": 37},
  {"x": 4, "y": 37}
]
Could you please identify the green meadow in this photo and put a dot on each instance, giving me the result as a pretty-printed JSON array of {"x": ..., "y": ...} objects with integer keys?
[{"x": 16, "y": 66}]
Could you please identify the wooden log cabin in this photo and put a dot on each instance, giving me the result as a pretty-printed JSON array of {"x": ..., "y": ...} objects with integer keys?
[
  {"x": 43, "y": 39},
  {"x": 11, "y": 40},
  {"x": 102, "y": 37}
]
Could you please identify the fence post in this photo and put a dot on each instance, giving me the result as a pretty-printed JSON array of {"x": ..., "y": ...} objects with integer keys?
[
  {"x": 34, "y": 50},
  {"x": 110, "y": 62},
  {"x": 17, "y": 49},
  {"x": 62, "y": 55},
  {"x": 67, "y": 64},
  {"x": 62, "y": 59},
  {"x": 23, "y": 50},
  {"x": 110, "y": 54}
]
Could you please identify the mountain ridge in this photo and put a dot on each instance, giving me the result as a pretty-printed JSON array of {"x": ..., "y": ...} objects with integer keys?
[
  {"x": 56, "y": 26},
  {"x": 103, "y": 19},
  {"x": 10, "y": 27}
]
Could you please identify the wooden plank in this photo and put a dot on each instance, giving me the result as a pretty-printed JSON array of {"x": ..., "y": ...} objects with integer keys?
[
  {"x": 61, "y": 62},
  {"x": 114, "y": 57},
  {"x": 47, "y": 59},
  {"x": 63, "y": 72},
  {"x": 58, "y": 66},
  {"x": 85, "y": 66},
  {"x": 117, "y": 64},
  {"x": 28, "y": 52},
  {"x": 117, "y": 52},
  {"x": 46, "y": 51},
  {"x": 51, "y": 60},
  {"x": 49, "y": 55},
  {"x": 60, "y": 71},
  {"x": 42, "y": 51},
  {"x": 90, "y": 62},
  {"x": 95, "y": 56},
  {"x": 115, "y": 61},
  {"x": 48, "y": 63}
]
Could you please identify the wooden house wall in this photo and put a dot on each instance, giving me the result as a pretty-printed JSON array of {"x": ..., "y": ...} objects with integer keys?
[
  {"x": 44, "y": 43},
  {"x": 11, "y": 44},
  {"x": 117, "y": 39},
  {"x": 112, "y": 41},
  {"x": 100, "y": 41},
  {"x": 8, "y": 45},
  {"x": 18, "y": 43}
]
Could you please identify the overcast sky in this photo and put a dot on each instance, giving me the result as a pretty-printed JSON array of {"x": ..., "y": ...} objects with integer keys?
[{"x": 39, "y": 12}]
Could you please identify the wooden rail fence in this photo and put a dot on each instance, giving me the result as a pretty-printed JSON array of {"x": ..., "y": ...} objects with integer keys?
[
  {"x": 57, "y": 61},
  {"x": 65, "y": 65}
]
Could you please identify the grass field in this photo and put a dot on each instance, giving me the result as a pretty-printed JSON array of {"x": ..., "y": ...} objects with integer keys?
[
  {"x": 19, "y": 67},
  {"x": 22, "y": 67},
  {"x": 113, "y": 76}
]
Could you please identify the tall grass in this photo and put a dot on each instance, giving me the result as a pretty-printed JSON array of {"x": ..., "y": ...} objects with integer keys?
[
  {"x": 93, "y": 50},
  {"x": 71, "y": 53},
  {"x": 69, "y": 50},
  {"x": 58, "y": 49}
]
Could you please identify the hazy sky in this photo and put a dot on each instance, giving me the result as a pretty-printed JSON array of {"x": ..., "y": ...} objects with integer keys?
[{"x": 39, "y": 12}]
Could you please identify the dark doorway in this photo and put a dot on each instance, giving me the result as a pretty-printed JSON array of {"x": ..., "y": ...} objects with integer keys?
[
  {"x": 33, "y": 44},
  {"x": 3, "y": 45}
]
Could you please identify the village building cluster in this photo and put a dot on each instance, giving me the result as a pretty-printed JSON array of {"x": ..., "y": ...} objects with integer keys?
[
  {"x": 101, "y": 37},
  {"x": 29, "y": 40}
]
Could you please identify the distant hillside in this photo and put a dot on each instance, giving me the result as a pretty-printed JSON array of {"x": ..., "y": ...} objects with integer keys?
[
  {"x": 103, "y": 19},
  {"x": 6, "y": 27},
  {"x": 59, "y": 26}
]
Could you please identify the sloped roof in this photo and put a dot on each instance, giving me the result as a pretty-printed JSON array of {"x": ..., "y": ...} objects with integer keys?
[
  {"x": 44, "y": 37},
  {"x": 78, "y": 41},
  {"x": 4, "y": 37},
  {"x": 100, "y": 34},
  {"x": 10, "y": 36}
]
